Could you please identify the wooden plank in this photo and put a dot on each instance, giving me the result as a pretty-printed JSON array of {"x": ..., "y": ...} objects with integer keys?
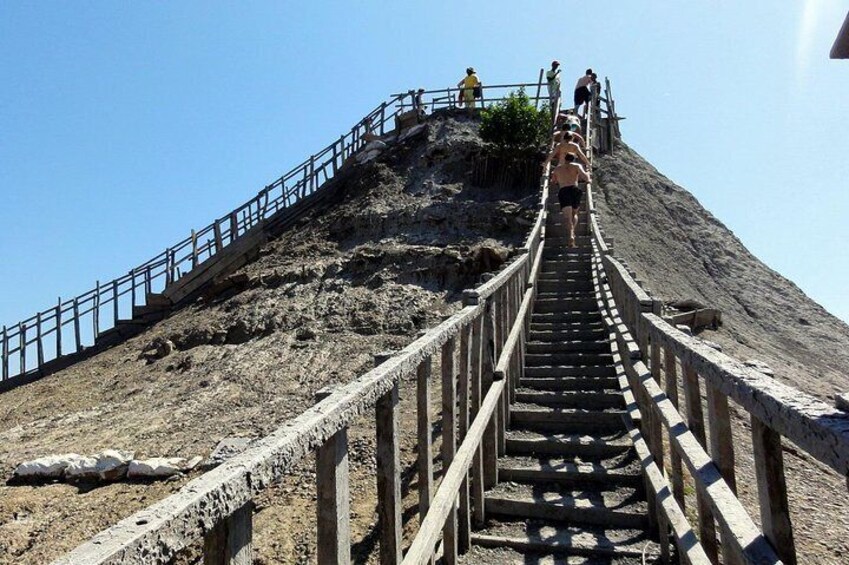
[
  {"x": 114, "y": 302},
  {"x": 58, "y": 327},
  {"x": 449, "y": 444},
  {"x": 816, "y": 427},
  {"x": 477, "y": 490},
  {"x": 463, "y": 385},
  {"x": 675, "y": 459},
  {"x": 423, "y": 545},
  {"x": 389, "y": 478},
  {"x": 4, "y": 360},
  {"x": 39, "y": 344},
  {"x": 333, "y": 497},
  {"x": 77, "y": 332},
  {"x": 721, "y": 440},
  {"x": 695, "y": 421},
  {"x": 772, "y": 490},
  {"x": 231, "y": 541},
  {"x": 424, "y": 425},
  {"x": 490, "y": 449}
]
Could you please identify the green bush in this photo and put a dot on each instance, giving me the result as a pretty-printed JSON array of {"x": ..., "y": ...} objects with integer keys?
[{"x": 515, "y": 124}]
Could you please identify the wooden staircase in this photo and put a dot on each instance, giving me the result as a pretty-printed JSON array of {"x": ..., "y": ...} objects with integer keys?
[{"x": 570, "y": 484}]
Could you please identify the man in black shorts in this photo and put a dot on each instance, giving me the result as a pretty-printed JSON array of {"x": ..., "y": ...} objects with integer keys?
[
  {"x": 583, "y": 94},
  {"x": 567, "y": 175}
]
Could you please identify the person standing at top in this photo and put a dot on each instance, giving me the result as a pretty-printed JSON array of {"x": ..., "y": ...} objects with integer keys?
[
  {"x": 582, "y": 90},
  {"x": 553, "y": 79},
  {"x": 469, "y": 84}
]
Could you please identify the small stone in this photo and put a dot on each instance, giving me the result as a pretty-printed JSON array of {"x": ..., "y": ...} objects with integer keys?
[
  {"x": 685, "y": 329},
  {"x": 226, "y": 449},
  {"x": 841, "y": 401},
  {"x": 760, "y": 366},
  {"x": 305, "y": 333},
  {"x": 712, "y": 344}
]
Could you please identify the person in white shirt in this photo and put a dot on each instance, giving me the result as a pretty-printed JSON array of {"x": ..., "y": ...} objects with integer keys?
[
  {"x": 553, "y": 79},
  {"x": 582, "y": 90}
]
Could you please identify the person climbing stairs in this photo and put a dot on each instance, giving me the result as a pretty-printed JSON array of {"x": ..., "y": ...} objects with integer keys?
[{"x": 570, "y": 486}]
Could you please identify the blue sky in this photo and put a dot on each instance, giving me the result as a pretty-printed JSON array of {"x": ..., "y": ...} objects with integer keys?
[{"x": 123, "y": 125}]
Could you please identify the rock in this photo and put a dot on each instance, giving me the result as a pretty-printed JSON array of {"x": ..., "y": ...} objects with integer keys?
[
  {"x": 50, "y": 467},
  {"x": 376, "y": 145},
  {"x": 226, "y": 449},
  {"x": 160, "y": 467},
  {"x": 411, "y": 132},
  {"x": 109, "y": 465},
  {"x": 712, "y": 344},
  {"x": 841, "y": 401},
  {"x": 305, "y": 333},
  {"x": 684, "y": 328},
  {"x": 760, "y": 366}
]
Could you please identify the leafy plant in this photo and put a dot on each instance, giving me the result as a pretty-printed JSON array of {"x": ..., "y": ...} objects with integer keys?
[{"x": 515, "y": 125}]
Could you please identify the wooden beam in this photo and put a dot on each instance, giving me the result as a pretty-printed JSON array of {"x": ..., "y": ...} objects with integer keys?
[
  {"x": 230, "y": 542},
  {"x": 772, "y": 490},
  {"x": 424, "y": 425},
  {"x": 721, "y": 439},
  {"x": 389, "y": 505},
  {"x": 333, "y": 497},
  {"x": 449, "y": 445},
  {"x": 674, "y": 457}
]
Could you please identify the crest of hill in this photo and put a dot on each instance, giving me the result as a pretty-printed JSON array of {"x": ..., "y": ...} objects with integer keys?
[{"x": 683, "y": 252}]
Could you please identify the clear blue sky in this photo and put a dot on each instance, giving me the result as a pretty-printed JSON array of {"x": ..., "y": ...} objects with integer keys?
[{"x": 123, "y": 125}]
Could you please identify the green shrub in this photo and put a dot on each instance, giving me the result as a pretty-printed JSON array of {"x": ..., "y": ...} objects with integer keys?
[{"x": 515, "y": 125}]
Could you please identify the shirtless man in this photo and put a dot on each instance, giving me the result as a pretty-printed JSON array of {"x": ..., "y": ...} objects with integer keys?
[
  {"x": 567, "y": 175},
  {"x": 567, "y": 146},
  {"x": 576, "y": 137}
]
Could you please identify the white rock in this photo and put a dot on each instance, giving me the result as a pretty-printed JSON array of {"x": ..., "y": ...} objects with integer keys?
[
  {"x": 712, "y": 344},
  {"x": 374, "y": 145},
  {"x": 109, "y": 465},
  {"x": 685, "y": 329},
  {"x": 50, "y": 467},
  {"x": 156, "y": 467},
  {"x": 411, "y": 132}
]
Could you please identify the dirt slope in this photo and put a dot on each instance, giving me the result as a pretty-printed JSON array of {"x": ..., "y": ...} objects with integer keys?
[
  {"x": 388, "y": 259},
  {"x": 682, "y": 251}
]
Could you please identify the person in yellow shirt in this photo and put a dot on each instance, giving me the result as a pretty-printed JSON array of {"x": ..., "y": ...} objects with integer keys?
[{"x": 468, "y": 85}]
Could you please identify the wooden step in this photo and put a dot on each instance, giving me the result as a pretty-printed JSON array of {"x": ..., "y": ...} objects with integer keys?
[
  {"x": 622, "y": 471},
  {"x": 623, "y": 507},
  {"x": 567, "y": 317},
  {"x": 537, "y": 417},
  {"x": 569, "y": 383},
  {"x": 595, "y": 400},
  {"x": 584, "y": 346},
  {"x": 582, "y": 323},
  {"x": 577, "y": 334},
  {"x": 553, "y": 359},
  {"x": 570, "y": 371},
  {"x": 587, "y": 447},
  {"x": 542, "y": 538},
  {"x": 554, "y": 284}
]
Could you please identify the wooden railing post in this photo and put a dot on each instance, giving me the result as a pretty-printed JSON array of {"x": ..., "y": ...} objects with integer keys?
[
  {"x": 388, "y": 476},
  {"x": 4, "y": 354},
  {"x": 463, "y": 385},
  {"x": 490, "y": 448},
  {"x": 449, "y": 444},
  {"x": 77, "y": 332},
  {"x": 424, "y": 425},
  {"x": 674, "y": 456},
  {"x": 39, "y": 344},
  {"x": 477, "y": 493},
  {"x": 696, "y": 423},
  {"x": 22, "y": 349},
  {"x": 115, "y": 302},
  {"x": 721, "y": 440},
  {"x": 772, "y": 490},
  {"x": 333, "y": 496},
  {"x": 230, "y": 542}
]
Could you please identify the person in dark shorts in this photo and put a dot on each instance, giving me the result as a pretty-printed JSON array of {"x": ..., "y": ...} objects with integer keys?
[
  {"x": 567, "y": 175},
  {"x": 583, "y": 94}
]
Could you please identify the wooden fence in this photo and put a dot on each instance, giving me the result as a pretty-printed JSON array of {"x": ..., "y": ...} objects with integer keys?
[
  {"x": 490, "y": 331},
  {"x": 71, "y": 326},
  {"x": 657, "y": 361}
]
